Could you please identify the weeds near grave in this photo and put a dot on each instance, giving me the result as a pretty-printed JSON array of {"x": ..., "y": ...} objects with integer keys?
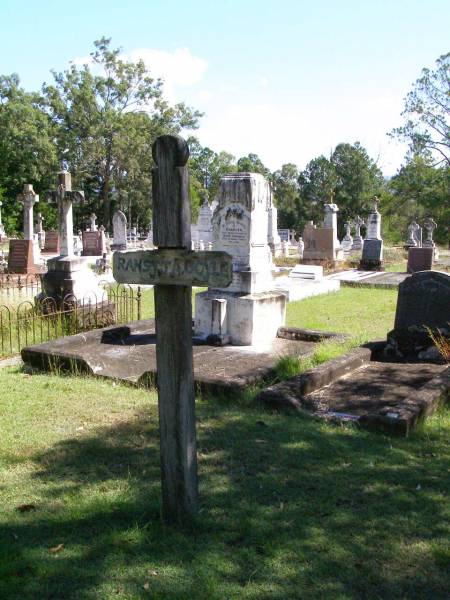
[{"x": 441, "y": 342}]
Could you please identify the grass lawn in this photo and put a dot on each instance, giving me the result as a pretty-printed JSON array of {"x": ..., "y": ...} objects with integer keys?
[{"x": 291, "y": 507}]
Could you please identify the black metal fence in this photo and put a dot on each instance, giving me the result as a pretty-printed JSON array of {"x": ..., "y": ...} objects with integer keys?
[{"x": 32, "y": 322}]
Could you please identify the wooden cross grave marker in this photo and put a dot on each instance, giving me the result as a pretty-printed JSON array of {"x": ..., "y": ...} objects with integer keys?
[{"x": 174, "y": 268}]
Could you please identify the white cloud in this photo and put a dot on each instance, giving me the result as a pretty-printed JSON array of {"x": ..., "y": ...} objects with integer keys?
[
  {"x": 263, "y": 82},
  {"x": 177, "y": 68}
]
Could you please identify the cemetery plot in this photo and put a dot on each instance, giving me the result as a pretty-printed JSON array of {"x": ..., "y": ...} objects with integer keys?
[
  {"x": 129, "y": 353},
  {"x": 363, "y": 387}
]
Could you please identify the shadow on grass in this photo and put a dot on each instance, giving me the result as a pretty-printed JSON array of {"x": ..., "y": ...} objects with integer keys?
[{"x": 291, "y": 508}]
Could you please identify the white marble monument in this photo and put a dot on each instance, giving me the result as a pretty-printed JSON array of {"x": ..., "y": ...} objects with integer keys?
[
  {"x": 247, "y": 312},
  {"x": 68, "y": 276},
  {"x": 28, "y": 198}
]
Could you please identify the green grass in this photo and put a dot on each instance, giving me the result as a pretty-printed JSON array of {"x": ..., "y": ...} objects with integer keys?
[
  {"x": 363, "y": 314},
  {"x": 290, "y": 507}
]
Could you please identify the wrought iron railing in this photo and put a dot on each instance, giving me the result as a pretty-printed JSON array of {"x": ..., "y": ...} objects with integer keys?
[{"x": 34, "y": 322}]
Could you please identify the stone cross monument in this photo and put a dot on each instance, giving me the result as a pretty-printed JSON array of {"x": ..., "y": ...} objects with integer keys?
[
  {"x": 357, "y": 239},
  {"x": 64, "y": 197},
  {"x": 28, "y": 199},
  {"x": 92, "y": 220},
  {"x": 174, "y": 268}
]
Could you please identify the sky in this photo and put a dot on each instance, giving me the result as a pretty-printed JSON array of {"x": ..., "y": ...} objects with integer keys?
[{"x": 287, "y": 80}]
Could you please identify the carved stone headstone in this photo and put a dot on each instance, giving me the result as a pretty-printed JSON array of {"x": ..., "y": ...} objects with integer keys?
[
  {"x": 40, "y": 231},
  {"x": 419, "y": 259},
  {"x": 300, "y": 247},
  {"x": 52, "y": 245},
  {"x": 347, "y": 241},
  {"x": 204, "y": 225},
  {"x": 119, "y": 222},
  {"x": 413, "y": 235},
  {"x": 20, "y": 257},
  {"x": 372, "y": 254},
  {"x": 357, "y": 239},
  {"x": 423, "y": 303},
  {"x": 240, "y": 225}
]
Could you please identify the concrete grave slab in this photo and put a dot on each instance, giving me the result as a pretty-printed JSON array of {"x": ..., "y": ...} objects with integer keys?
[
  {"x": 128, "y": 353},
  {"x": 381, "y": 394}
]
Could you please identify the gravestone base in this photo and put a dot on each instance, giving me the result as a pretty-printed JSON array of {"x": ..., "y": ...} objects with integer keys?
[
  {"x": 118, "y": 247},
  {"x": 71, "y": 276},
  {"x": 371, "y": 264},
  {"x": 249, "y": 319},
  {"x": 414, "y": 342}
]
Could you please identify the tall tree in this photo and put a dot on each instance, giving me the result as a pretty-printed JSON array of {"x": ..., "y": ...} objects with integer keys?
[
  {"x": 317, "y": 183},
  {"x": 286, "y": 195},
  {"x": 358, "y": 180},
  {"x": 419, "y": 189},
  {"x": 27, "y": 151},
  {"x": 253, "y": 164},
  {"x": 427, "y": 113},
  {"x": 91, "y": 109}
]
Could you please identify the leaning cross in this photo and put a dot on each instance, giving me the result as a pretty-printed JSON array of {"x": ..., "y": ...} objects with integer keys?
[
  {"x": 64, "y": 197},
  {"x": 174, "y": 269}
]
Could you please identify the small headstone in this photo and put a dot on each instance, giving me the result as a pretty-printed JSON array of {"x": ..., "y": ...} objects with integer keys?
[
  {"x": 51, "y": 242},
  {"x": 420, "y": 259},
  {"x": 94, "y": 243},
  {"x": 20, "y": 258},
  {"x": 357, "y": 240},
  {"x": 300, "y": 247},
  {"x": 119, "y": 222},
  {"x": 372, "y": 254},
  {"x": 423, "y": 303},
  {"x": 347, "y": 241},
  {"x": 284, "y": 249},
  {"x": 204, "y": 226},
  {"x": 314, "y": 272}
]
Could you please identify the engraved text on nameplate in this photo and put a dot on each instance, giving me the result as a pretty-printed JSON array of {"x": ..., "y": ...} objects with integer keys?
[{"x": 173, "y": 267}]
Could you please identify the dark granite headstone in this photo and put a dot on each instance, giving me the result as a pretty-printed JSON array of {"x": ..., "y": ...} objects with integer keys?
[
  {"x": 20, "y": 257},
  {"x": 420, "y": 259},
  {"x": 372, "y": 255},
  {"x": 423, "y": 304},
  {"x": 51, "y": 242},
  {"x": 93, "y": 243}
]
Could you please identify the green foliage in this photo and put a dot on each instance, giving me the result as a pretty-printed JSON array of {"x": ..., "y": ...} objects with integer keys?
[
  {"x": 427, "y": 110},
  {"x": 358, "y": 180},
  {"x": 419, "y": 189},
  {"x": 252, "y": 164},
  {"x": 106, "y": 120},
  {"x": 317, "y": 183},
  {"x": 27, "y": 151},
  {"x": 286, "y": 195}
]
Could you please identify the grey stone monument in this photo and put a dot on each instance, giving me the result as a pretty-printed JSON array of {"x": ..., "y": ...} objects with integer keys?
[
  {"x": 357, "y": 239},
  {"x": 28, "y": 198},
  {"x": 372, "y": 254},
  {"x": 119, "y": 222},
  {"x": 247, "y": 312},
  {"x": 68, "y": 276}
]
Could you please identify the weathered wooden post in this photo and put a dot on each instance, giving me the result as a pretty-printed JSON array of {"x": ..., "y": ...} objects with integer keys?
[{"x": 174, "y": 268}]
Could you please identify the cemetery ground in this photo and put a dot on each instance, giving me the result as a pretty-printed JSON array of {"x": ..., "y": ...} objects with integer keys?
[{"x": 291, "y": 507}]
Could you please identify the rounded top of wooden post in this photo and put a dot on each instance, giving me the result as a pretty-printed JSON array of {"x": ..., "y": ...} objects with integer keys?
[{"x": 170, "y": 149}]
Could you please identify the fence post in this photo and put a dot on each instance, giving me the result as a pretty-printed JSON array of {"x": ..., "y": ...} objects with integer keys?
[{"x": 138, "y": 301}]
